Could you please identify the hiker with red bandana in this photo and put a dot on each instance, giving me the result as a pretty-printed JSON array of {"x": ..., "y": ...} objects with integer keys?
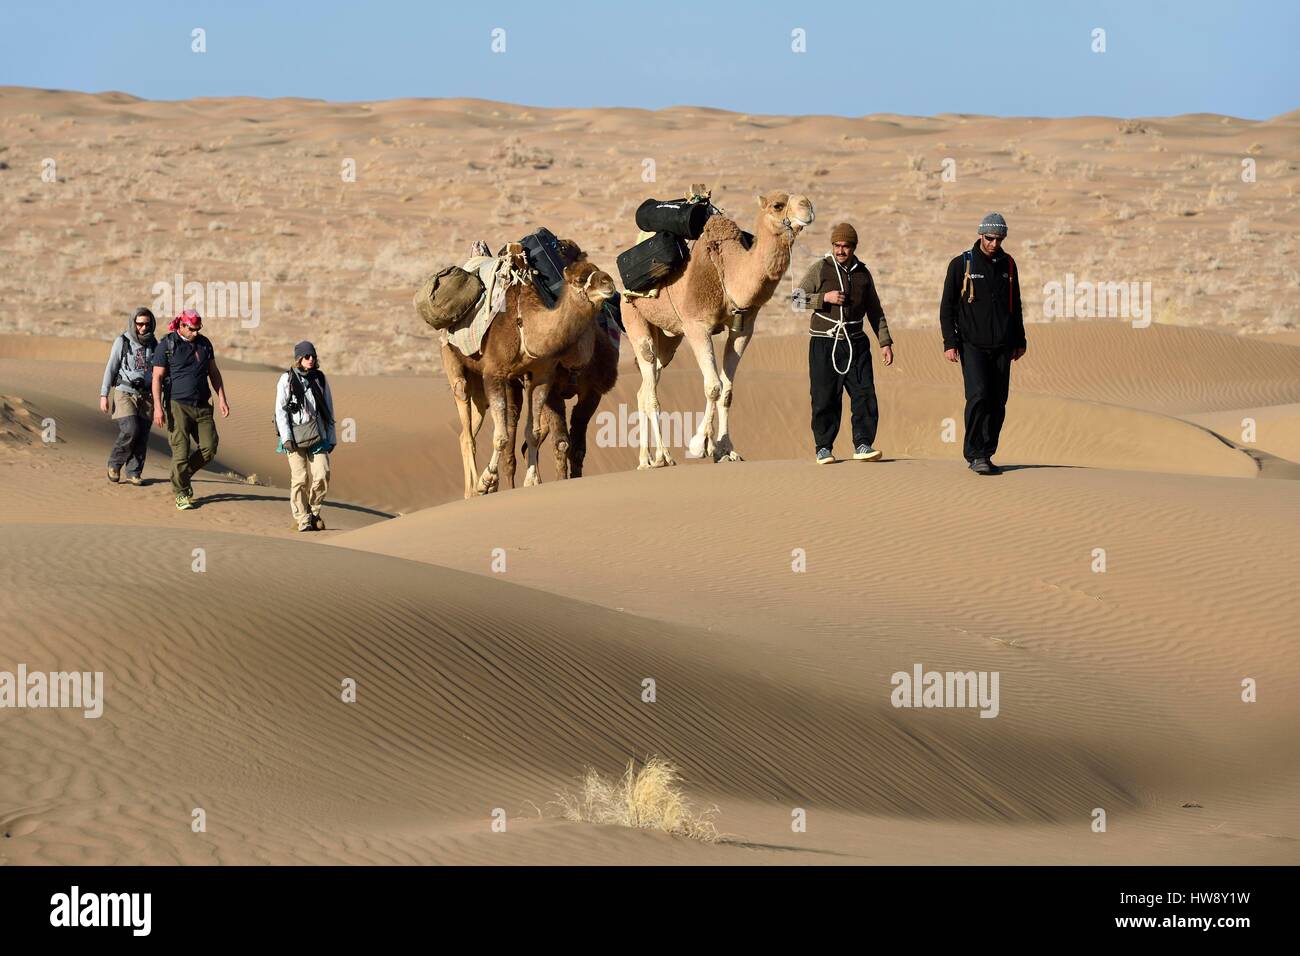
[{"x": 183, "y": 365}]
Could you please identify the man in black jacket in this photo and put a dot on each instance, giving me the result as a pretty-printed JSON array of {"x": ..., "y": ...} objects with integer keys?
[{"x": 983, "y": 329}]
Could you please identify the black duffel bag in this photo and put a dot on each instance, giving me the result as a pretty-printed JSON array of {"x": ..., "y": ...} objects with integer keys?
[
  {"x": 647, "y": 263},
  {"x": 681, "y": 218},
  {"x": 545, "y": 259}
]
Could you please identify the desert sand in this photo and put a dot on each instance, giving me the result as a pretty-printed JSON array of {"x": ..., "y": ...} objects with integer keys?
[{"x": 500, "y": 645}]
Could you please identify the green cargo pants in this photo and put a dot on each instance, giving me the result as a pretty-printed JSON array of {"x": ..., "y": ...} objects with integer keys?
[{"x": 188, "y": 424}]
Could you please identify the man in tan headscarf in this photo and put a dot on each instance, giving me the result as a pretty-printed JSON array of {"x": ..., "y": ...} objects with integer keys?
[{"x": 841, "y": 294}]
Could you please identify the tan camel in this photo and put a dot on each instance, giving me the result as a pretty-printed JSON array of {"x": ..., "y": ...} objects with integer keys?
[
  {"x": 589, "y": 384},
  {"x": 723, "y": 285},
  {"x": 526, "y": 341}
]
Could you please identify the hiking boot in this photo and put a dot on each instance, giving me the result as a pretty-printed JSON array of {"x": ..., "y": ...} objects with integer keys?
[
  {"x": 984, "y": 466},
  {"x": 307, "y": 527},
  {"x": 115, "y": 474},
  {"x": 865, "y": 453},
  {"x": 317, "y": 523},
  {"x": 184, "y": 503},
  {"x": 824, "y": 456},
  {"x": 136, "y": 480}
]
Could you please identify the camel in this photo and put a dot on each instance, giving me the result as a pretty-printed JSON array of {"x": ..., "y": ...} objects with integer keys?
[
  {"x": 589, "y": 384},
  {"x": 723, "y": 285},
  {"x": 528, "y": 342}
]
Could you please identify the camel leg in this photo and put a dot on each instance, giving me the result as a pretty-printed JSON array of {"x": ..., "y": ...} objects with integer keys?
[
  {"x": 702, "y": 345},
  {"x": 553, "y": 424},
  {"x": 644, "y": 353},
  {"x": 495, "y": 390},
  {"x": 665, "y": 347},
  {"x": 737, "y": 342},
  {"x": 583, "y": 411},
  {"x": 456, "y": 380},
  {"x": 534, "y": 397},
  {"x": 647, "y": 400},
  {"x": 514, "y": 392}
]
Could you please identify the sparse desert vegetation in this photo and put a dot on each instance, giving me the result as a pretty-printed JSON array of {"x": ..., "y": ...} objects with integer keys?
[
  {"x": 649, "y": 797},
  {"x": 143, "y": 190}
]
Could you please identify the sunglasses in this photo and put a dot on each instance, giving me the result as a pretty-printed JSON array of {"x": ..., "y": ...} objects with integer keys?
[
  {"x": 142, "y": 322},
  {"x": 992, "y": 238}
]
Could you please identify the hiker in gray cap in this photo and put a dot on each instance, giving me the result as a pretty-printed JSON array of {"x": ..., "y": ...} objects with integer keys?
[
  {"x": 304, "y": 417},
  {"x": 983, "y": 329}
]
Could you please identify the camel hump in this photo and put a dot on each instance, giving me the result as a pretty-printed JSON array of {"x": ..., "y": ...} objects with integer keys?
[{"x": 720, "y": 229}]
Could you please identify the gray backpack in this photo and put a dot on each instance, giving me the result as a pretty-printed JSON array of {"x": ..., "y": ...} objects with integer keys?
[{"x": 448, "y": 297}]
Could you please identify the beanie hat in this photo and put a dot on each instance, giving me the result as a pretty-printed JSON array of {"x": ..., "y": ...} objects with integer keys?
[
  {"x": 843, "y": 232},
  {"x": 302, "y": 349},
  {"x": 993, "y": 225}
]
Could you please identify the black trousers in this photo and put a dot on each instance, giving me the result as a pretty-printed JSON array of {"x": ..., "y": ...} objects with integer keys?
[
  {"x": 987, "y": 373},
  {"x": 828, "y": 388},
  {"x": 131, "y": 446}
]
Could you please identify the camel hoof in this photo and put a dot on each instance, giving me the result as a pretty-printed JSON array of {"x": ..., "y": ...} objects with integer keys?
[
  {"x": 664, "y": 460},
  {"x": 696, "y": 448},
  {"x": 532, "y": 478},
  {"x": 730, "y": 456},
  {"x": 488, "y": 483}
]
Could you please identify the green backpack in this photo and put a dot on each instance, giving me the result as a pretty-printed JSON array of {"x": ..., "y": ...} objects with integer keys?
[{"x": 448, "y": 297}]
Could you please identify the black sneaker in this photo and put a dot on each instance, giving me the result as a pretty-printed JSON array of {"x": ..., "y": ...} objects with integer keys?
[
  {"x": 984, "y": 466},
  {"x": 317, "y": 523}
]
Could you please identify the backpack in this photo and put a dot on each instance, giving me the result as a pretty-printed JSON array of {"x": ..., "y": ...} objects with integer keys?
[
  {"x": 965, "y": 282},
  {"x": 121, "y": 364},
  {"x": 547, "y": 263},
  {"x": 169, "y": 348},
  {"x": 448, "y": 297},
  {"x": 298, "y": 400},
  {"x": 650, "y": 261}
]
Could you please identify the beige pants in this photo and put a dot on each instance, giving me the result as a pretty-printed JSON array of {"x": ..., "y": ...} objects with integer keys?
[{"x": 309, "y": 479}]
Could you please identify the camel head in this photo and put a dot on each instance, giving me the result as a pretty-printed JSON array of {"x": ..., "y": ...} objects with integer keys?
[
  {"x": 785, "y": 215},
  {"x": 586, "y": 281},
  {"x": 570, "y": 251}
]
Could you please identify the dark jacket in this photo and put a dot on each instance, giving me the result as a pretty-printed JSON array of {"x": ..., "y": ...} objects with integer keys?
[
  {"x": 995, "y": 318},
  {"x": 863, "y": 301},
  {"x": 188, "y": 369}
]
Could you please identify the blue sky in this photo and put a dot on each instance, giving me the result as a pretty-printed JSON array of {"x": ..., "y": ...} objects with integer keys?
[{"x": 1010, "y": 58}]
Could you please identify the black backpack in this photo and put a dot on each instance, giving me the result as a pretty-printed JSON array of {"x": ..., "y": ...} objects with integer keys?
[
  {"x": 121, "y": 364},
  {"x": 543, "y": 252}
]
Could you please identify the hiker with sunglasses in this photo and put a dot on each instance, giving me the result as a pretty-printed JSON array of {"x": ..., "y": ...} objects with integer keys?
[
  {"x": 304, "y": 417},
  {"x": 183, "y": 364},
  {"x": 125, "y": 394},
  {"x": 983, "y": 329}
]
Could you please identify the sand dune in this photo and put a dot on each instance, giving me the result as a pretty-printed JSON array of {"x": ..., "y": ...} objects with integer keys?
[{"x": 482, "y": 691}]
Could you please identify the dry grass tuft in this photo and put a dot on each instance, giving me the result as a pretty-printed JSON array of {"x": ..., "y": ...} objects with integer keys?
[{"x": 649, "y": 798}]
